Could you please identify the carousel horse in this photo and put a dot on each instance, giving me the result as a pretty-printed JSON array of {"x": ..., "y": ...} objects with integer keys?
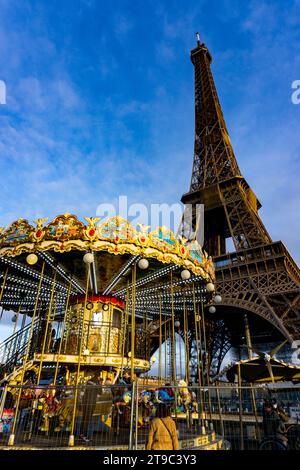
[
  {"x": 145, "y": 410},
  {"x": 64, "y": 413},
  {"x": 194, "y": 403},
  {"x": 50, "y": 408},
  {"x": 184, "y": 397}
]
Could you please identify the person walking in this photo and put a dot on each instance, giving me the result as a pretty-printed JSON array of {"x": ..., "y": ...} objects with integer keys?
[
  {"x": 162, "y": 432},
  {"x": 89, "y": 400}
]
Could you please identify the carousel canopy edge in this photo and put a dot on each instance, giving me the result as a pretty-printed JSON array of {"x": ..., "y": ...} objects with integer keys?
[{"x": 115, "y": 235}]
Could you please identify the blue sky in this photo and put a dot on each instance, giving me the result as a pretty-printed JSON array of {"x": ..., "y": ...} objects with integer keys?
[{"x": 100, "y": 102}]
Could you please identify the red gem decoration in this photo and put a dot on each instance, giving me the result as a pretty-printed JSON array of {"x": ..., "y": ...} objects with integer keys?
[
  {"x": 143, "y": 239},
  {"x": 92, "y": 232},
  {"x": 39, "y": 233},
  {"x": 117, "y": 239},
  {"x": 182, "y": 251}
]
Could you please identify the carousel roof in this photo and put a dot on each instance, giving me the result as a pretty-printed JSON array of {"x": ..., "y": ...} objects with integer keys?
[
  {"x": 257, "y": 370},
  {"x": 116, "y": 246}
]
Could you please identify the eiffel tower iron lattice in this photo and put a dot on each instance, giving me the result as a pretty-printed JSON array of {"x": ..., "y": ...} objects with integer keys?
[{"x": 260, "y": 276}]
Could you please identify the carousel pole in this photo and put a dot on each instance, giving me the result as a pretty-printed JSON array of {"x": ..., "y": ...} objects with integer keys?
[
  {"x": 134, "y": 382},
  {"x": 173, "y": 346},
  {"x": 201, "y": 354},
  {"x": 145, "y": 326},
  {"x": 21, "y": 328},
  {"x": 255, "y": 412},
  {"x": 62, "y": 332},
  {"x": 71, "y": 437},
  {"x": 250, "y": 355},
  {"x": 180, "y": 358},
  {"x": 133, "y": 386},
  {"x": 125, "y": 328},
  {"x": 3, "y": 285},
  {"x": 169, "y": 353},
  {"x": 186, "y": 343},
  {"x": 121, "y": 338},
  {"x": 165, "y": 351},
  {"x": 206, "y": 362},
  {"x": 3, "y": 399},
  {"x": 133, "y": 321},
  {"x": 220, "y": 411},
  {"x": 186, "y": 361},
  {"x": 2, "y": 291},
  {"x": 109, "y": 328},
  {"x": 136, "y": 414},
  {"x": 11, "y": 440},
  {"x": 17, "y": 340},
  {"x": 160, "y": 341},
  {"x": 240, "y": 407},
  {"x": 200, "y": 408},
  {"x": 46, "y": 330}
]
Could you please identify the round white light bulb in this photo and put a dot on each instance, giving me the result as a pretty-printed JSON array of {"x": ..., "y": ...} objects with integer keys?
[
  {"x": 217, "y": 299},
  {"x": 88, "y": 258},
  {"x": 185, "y": 274},
  {"x": 143, "y": 263},
  {"x": 210, "y": 287}
]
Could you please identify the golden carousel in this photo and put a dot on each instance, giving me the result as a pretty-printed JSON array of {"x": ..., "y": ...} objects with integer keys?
[{"x": 95, "y": 299}]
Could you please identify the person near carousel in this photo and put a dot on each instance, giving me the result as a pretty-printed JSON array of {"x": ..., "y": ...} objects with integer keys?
[
  {"x": 163, "y": 432},
  {"x": 273, "y": 423},
  {"x": 89, "y": 400}
]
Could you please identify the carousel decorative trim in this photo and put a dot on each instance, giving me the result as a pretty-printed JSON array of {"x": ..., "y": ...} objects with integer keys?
[
  {"x": 114, "y": 235},
  {"x": 93, "y": 359}
]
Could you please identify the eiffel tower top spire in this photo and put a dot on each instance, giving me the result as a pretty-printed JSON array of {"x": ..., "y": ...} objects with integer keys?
[
  {"x": 230, "y": 205},
  {"x": 214, "y": 159},
  {"x": 258, "y": 276}
]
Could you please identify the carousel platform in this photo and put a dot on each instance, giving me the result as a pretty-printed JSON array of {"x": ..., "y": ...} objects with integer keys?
[{"x": 190, "y": 440}]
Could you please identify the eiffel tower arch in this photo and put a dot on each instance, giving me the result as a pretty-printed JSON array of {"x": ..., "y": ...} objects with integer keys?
[{"x": 260, "y": 277}]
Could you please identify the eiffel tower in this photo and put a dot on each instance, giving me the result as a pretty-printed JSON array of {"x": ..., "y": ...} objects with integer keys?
[{"x": 259, "y": 278}]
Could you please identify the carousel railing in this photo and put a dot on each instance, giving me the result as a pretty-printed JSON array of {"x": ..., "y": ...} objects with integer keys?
[
  {"x": 105, "y": 339},
  {"x": 118, "y": 416},
  {"x": 13, "y": 348}
]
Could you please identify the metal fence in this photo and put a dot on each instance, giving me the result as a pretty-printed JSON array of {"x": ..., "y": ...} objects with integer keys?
[{"x": 119, "y": 416}]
